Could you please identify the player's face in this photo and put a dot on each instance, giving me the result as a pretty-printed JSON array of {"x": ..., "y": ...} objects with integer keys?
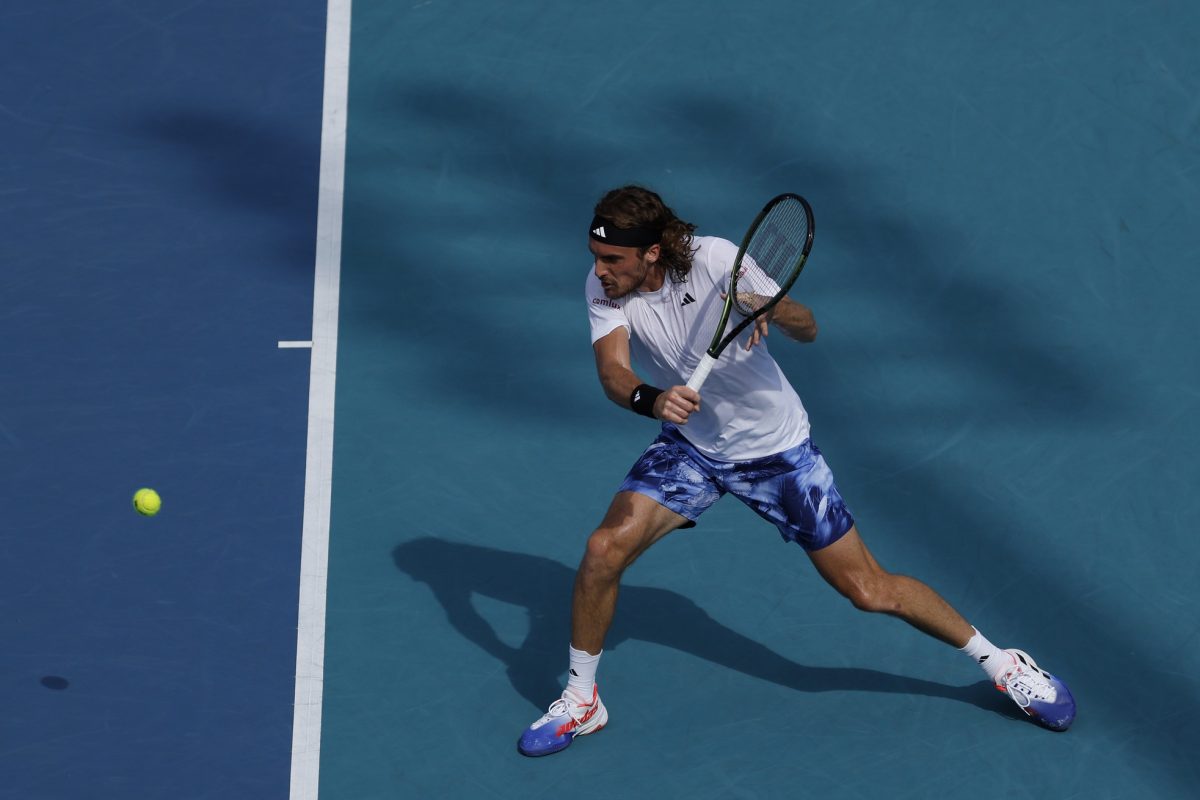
[{"x": 621, "y": 270}]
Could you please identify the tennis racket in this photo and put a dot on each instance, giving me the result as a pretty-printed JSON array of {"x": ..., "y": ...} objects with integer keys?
[{"x": 767, "y": 264}]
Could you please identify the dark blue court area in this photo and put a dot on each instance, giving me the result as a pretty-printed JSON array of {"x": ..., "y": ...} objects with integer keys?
[
  {"x": 159, "y": 198},
  {"x": 1006, "y": 385}
]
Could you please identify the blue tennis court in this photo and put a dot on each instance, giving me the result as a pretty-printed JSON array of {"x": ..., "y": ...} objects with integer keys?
[{"x": 1005, "y": 384}]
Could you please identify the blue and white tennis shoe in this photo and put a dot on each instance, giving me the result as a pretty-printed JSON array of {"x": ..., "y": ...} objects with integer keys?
[
  {"x": 558, "y": 727},
  {"x": 1045, "y": 698}
]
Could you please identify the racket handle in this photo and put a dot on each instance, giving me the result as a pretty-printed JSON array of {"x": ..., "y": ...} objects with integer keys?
[{"x": 701, "y": 374}]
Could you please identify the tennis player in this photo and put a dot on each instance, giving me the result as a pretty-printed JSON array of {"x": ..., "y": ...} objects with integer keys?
[{"x": 654, "y": 293}]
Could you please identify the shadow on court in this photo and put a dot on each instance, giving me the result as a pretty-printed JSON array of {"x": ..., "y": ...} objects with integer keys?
[
  {"x": 252, "y": 167},
  {"x": 455, "y": 571},
  {"x": 484, "y": 191}
]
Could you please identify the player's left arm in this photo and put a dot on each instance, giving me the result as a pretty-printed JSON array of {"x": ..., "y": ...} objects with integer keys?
[{"x": 794, "y": 319}]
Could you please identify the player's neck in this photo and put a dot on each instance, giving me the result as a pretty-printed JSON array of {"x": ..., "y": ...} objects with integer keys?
[{"x": 656, "y": 276}]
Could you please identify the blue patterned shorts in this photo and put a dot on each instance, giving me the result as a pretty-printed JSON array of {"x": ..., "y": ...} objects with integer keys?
[{"x": 794, "y": 489}]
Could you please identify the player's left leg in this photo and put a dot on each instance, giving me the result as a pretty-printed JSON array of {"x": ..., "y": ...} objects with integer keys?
[
  {"x": 849, "y": 567},
  {"x": 795, "y": 490}
]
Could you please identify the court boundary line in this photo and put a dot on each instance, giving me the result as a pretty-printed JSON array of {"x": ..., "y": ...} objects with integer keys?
[{"x": 318, "y": 473}]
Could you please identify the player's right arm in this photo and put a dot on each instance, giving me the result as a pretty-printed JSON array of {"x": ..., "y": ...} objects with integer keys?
[{"x": 615, "y": 369}]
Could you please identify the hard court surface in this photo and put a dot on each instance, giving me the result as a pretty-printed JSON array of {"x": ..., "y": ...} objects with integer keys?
[{"x": 1006, "y": 386}]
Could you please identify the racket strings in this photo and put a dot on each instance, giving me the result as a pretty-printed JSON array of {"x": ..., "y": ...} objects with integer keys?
[{"x": 772, "y": 255}]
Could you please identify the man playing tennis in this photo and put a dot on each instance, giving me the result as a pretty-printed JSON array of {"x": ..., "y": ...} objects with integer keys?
[{"x": 655, "y": 293}]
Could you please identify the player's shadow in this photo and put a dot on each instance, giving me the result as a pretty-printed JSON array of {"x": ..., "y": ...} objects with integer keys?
[{"x": 455, "y": 571}]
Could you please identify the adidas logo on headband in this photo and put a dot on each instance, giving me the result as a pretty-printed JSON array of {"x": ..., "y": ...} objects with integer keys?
[{"x": 603, "y": 230}]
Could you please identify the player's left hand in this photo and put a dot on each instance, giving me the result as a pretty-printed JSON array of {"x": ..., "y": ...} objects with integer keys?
[
  {"x": 761, "y": 327},
  {"x": 759, "y": 332}
]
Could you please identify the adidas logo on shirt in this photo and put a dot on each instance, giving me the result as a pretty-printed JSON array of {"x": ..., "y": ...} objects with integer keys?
[{"x": 687, "y": 298}]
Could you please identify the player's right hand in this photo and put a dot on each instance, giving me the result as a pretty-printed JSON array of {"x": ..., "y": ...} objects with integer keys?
[{"x": 675, "y": 404}]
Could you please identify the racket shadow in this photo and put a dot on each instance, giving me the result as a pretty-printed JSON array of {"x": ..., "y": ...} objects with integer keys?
[{"x": 455, "y": 571}]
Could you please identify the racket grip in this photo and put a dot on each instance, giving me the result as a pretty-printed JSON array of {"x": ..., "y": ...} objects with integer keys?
[{"x": 701, "y": 374}]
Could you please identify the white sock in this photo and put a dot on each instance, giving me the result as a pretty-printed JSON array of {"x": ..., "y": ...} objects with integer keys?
[
  {"x": 990, "y": 658},
  {"x": 581, "y": 679}
]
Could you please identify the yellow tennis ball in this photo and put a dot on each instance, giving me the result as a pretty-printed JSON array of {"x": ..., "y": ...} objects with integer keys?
[{"x": 147, "y": 502}]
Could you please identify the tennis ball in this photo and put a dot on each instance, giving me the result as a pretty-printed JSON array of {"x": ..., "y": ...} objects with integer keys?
[{"x": 147, "y": 502}]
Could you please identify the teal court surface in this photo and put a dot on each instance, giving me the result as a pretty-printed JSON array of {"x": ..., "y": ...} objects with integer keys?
[{"x": 402, "y": 458}]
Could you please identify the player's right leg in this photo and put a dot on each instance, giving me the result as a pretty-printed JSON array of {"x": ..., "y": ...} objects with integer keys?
[
  {"x": 666, "y": 489},
  {"x": 633, "y": 523}
]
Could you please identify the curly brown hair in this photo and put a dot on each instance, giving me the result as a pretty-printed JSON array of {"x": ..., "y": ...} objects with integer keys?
[{"x": 634, "y": 206}]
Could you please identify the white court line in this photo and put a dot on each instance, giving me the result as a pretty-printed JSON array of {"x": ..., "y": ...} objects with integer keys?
[
  {"x": 286, "y": 345},
  {"x": 318, "y": 479}
]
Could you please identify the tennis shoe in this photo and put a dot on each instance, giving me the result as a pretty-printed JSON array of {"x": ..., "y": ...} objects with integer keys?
[
  {"x": 566, "y": 718},
  {"x": 1043, "y": 697}
]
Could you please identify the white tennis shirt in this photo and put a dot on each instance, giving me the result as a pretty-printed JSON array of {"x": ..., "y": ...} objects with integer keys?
[{"x": 747, "y": 407}]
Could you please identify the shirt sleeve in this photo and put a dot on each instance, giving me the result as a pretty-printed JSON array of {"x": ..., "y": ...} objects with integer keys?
[
  {"x": 605, "y": 315},
  {"x": 754, "y": 285},
  {"x": 718, "y": 260}
]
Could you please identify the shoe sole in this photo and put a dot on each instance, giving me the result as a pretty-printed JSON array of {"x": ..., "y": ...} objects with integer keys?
[
  {"x": 602, "y": 716},
  {"x": 1038, "y": 716}
]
